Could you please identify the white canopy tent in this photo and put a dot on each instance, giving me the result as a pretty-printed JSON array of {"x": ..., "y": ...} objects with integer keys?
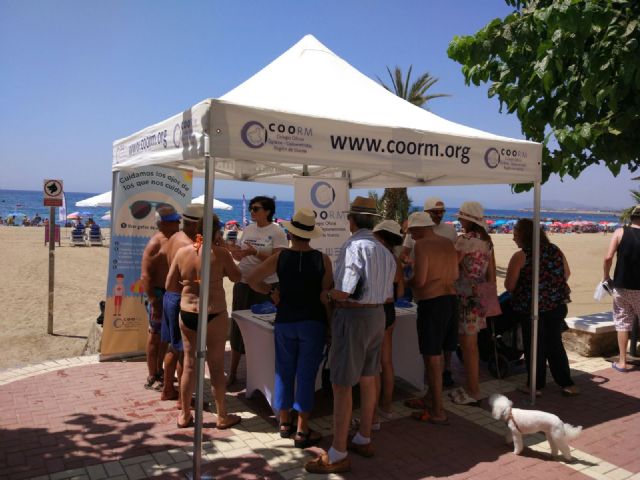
[
  {"x": 104, "y": 200},
  {"x": 311, "y": 113}
]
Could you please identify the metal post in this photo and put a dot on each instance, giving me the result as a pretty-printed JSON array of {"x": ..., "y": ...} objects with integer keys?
[
  {"x": 207, "y": 234},
  {"x": 535, "y": 290},
  {"x": 52, "y": 248}
]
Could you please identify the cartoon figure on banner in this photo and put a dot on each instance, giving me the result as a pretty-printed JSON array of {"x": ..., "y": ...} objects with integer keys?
[{"x": 118, "y": 293}]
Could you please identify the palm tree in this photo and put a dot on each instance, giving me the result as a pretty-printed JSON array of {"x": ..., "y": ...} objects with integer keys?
[
  {"x": 625, "y": 216},
  {"x": 395, "y": 202}
]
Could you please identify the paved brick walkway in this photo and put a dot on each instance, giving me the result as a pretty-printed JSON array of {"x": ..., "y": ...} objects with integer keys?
[{"x": 77, "y": 418}]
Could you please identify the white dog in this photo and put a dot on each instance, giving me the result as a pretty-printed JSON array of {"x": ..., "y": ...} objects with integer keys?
[{"x": 520, "y": 422}]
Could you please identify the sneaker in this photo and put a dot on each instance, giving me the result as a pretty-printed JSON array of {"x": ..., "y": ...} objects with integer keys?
[{"x": 447, "y": 379}]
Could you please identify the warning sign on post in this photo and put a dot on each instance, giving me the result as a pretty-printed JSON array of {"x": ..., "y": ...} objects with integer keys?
[{"x": 53, "y": 193}]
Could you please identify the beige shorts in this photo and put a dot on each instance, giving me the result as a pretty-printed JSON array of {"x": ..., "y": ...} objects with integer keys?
[{"x": 626, "y": 308}]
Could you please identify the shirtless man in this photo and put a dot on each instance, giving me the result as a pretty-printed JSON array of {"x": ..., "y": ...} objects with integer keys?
[
  {"x": 170, "y": 333},
  {"x": 435, "y": 272},
  {"x": 185, "y": 270},
  {"x": 153, "y": 276}
]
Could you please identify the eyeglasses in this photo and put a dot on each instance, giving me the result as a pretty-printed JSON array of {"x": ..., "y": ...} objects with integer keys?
[
  {"x": 255, "y": 208},
  {"x": 141, "y": 208}
]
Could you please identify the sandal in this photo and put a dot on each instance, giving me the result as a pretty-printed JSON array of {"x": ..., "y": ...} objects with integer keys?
[
  {"x": 461, "y": 397},
  {"x": 570, "y": 391},
  {"x": 189, "y": 424},
  {"x": 229, "y": 421},
  {"x": 417, "y": 403},
  {"x": 422, "y": 416},
  {"x": 306, "y": 439},
  {"x": 151, "y": 380},
  {"x": 286, "y": 429}
]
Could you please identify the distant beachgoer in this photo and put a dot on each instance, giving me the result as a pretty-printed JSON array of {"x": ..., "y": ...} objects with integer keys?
[
  {"x": 300, "y": 325},
  {"x": 185, "y": 270},
  {"x": 256, "y": 243},
  {"x": 554, "y": 294},
  {"x": 625, "y": 244},
  {"x": 154, "y": 271}
]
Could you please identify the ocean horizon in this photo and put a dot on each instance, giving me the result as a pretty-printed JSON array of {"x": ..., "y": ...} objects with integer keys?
[{"x": 30, "y": 203}]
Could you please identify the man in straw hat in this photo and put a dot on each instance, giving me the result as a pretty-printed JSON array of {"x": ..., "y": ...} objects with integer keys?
[
  {"x": 363, "y": 280},
  {"x": 625, "y": 243},
  {"x": 170, "y": 332},
  {"x": 435, "y": 207},
  {"x": 435, "y": 272}
]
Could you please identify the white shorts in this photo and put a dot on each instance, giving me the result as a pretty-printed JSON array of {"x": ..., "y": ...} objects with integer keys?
[{"x": 626, "y": 308}]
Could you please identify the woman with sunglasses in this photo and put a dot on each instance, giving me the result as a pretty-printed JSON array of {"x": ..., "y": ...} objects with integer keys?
[
  {"x": 256, "y": 243},
  {"x": 185, "y": 270}
]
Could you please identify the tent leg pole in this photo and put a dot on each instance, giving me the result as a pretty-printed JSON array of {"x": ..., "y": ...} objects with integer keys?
[
  {"x": 207, "y": 234},
  {"x": 535, "y": 291}
]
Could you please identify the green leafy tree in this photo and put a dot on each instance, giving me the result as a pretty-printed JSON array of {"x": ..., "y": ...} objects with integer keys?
[
  {"x": 395, "y": 202},
  {"x": 625, "y": 216},
  {"x": 570, "y": 70}
]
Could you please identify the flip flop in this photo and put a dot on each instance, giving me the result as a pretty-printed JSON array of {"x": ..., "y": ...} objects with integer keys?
[
  {"x": 231, "y": 420},
  {"x": 422, "y": 416},
  {"x": 415, "y": 403},
  {"x": 436, "y": 421},
  {"x": 615, "y": 366},
  {"x": 189, "y": 424}
]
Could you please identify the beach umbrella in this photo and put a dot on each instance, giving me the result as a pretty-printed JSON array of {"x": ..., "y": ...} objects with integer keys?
[
  {"x": 217, "y": 204},
  {"x": 17, "y": 214},
  {"x": 106, "y": 216},
  {"x": 74, "y": 216},
  {"x": 102, "y": 200}
]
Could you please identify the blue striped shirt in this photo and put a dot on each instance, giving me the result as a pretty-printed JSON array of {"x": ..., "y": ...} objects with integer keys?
[{"x": 364, "y": 257}]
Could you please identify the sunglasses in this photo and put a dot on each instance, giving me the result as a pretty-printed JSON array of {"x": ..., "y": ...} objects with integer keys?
[
  {"x": 255, "y": 208},
  {"x": 141, "y": 208}
]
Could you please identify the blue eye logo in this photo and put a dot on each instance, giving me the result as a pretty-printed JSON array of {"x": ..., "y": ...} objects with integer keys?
[
  {"x": 492, "y": 157},
  {"x": 322, "y": 195},
  {"x": 253, "y": 134}
]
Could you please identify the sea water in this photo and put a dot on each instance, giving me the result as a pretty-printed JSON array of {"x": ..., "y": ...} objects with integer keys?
[{"x": 30, "y": 203}]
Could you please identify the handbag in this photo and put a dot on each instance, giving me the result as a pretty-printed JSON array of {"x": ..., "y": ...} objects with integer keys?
[{"x": 488, "y": 294}]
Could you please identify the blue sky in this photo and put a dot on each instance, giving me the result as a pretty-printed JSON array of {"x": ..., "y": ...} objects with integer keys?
[{"x": 78, "y": 74}]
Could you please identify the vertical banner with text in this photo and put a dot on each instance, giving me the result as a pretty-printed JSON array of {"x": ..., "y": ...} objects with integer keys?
[
  {"x": 137, "y": 194},
  {"x": 329, "y": 200}
]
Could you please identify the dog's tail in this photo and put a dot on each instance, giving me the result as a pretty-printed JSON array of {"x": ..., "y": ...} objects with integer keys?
[{"x": 571, "y": 432}]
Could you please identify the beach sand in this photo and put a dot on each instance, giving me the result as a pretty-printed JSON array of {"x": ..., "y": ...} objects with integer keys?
[{"x": 81, "y": 277}]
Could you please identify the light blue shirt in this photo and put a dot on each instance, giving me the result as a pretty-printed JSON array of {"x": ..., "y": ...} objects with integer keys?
[{"x": 364, "y": 257}]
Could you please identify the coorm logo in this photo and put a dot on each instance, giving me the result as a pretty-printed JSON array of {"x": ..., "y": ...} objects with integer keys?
[
  {"x": 118, "y": 323},
  {"x": 253, "y": 134},
  {"x": 492, "y": 157},
  {"x": 322, "y": 195}
]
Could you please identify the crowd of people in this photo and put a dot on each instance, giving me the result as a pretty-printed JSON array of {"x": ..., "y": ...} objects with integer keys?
[{"x": 451, "y": 277}]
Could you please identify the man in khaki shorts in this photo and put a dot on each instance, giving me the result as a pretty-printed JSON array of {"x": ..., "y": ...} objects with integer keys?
[{"x": 363, "y": 280}]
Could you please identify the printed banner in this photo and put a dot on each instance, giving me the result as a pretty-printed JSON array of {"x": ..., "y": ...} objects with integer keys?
[
  {"x": 329, "y": 200},
  {"x": 136, "y": 195}
]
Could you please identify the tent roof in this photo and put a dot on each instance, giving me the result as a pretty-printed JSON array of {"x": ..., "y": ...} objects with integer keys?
[
  {"x": 102, "y": 200},
  {"x": 310, "y": 112}
]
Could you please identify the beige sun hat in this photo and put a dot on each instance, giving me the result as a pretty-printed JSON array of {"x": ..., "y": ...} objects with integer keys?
[
  {"x": 193, "y": 213},
  {"x": 303, "y": 224},
  {"x": 473, "y": 212},
  {"x": 364, "y": 206},
  {"x": 390, "y": 226},
  {"x": 433, "y": 203},
  {"x": 420, "y": 219},
  {"x": 635, "y": 212}
]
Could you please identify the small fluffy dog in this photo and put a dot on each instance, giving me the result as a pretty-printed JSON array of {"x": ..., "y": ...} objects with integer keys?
[{"x": 519, "y": 421}]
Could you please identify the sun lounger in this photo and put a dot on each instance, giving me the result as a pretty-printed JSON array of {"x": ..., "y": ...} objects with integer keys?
[
  {"x": 78, "y": 238},
  {"x": 95, "y": 236}
]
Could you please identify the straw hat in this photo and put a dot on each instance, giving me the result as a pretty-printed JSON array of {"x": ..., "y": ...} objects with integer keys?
[
  {"x": 390, "y": 226},
  {"x": 303, "y": 224},
  {"x": 364, "y": 206},
  {"x": 420, "y": 219},
  {"x": 193, "y": 213},
  {"x": 433, "y": 203},
  {"x": 473, "y": 212}
]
